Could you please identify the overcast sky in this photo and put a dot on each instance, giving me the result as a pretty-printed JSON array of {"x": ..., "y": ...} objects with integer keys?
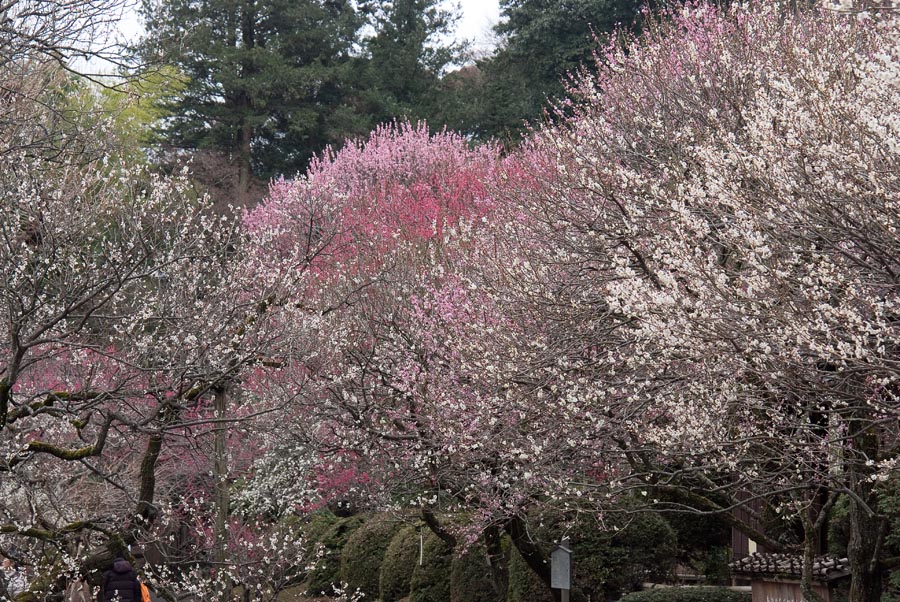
[{"x": 478, "y": 17}]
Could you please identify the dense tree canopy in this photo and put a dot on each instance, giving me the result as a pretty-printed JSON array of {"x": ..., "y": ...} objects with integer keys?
[
  {"x": 404, "y": 61},
  {"x": 266, "y": 82},
  {"x": 272, "y": 84},
  {"x": 542, "y": 44},
  {"x": 665, "y": 273}
]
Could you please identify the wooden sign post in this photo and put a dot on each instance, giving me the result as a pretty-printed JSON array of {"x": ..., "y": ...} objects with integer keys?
[{"x": 561, "y": 569}]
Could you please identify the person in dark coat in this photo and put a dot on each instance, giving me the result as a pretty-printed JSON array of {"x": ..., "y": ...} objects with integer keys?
[{"x": 120, "y": 583}]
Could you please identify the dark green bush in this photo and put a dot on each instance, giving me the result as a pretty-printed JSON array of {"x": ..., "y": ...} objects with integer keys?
[
  {"x": 362, "y": 556},
  {"x": 311, "y": 528},
  {"x": 646, "y": 547},
  {"x": 605, "y": 563},
  {"x": 471, "y": 578},
  {"x": 697, "y": 533},
  {"x": 889, "y": 506},
  {"x": 714, "y": 566},
  {"x": 687, "y": 594},
  {"x": 839, "y": 527},
  {"x": 315, "y": 527},
  {"x": 524, "y": 584},
  {"x": 431, "y": 580},
  {"x": 400, "y": 559},
  {"x": 328, "y": 568}
]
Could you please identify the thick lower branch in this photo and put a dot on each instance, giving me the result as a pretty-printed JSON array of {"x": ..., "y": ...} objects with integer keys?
[
  {"x": 53, "y": 534},
  {"x": 437, "y": 528},
  {"x": 63, "y": 453}
]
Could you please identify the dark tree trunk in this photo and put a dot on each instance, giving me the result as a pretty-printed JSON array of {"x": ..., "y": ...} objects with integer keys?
[
  {"x": 534, "y": 557},
  {"x": 863, "y": 552},
  {"x": 498, "y": 561},
  {"x": 864, "y": 548},
  {"x": 244, "y": 165}
]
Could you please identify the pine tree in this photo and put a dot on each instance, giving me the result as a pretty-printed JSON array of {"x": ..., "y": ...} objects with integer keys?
[
  {"x": 405, "y": 60},
  {"x": 267, "y": 82},
  {"x": 542, "y": 42}
]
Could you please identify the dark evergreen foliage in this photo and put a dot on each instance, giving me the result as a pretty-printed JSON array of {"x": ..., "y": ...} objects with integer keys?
[
  {"x": 271, "y": 83},
  {"x": 397, "y": 567},
  {"x": 333, "y": 540},
  {"x": 470, "y": 578},
  {"x": 266, "y": 82},
  {"x": 401, "y": 76},
  {"x": 542, "y": 42},
  {"x": 431, "y": 579},
  {"x": 364, "y": 552},
  {"x": 688, "y": 594},
  {"x": 524, "y": 584}
]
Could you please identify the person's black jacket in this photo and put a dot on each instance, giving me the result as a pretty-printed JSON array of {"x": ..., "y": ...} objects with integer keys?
[{"x": 120, "y": 583}]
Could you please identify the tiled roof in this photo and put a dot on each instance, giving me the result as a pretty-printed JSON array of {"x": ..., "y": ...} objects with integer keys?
[{"x": 825, "y": 568}]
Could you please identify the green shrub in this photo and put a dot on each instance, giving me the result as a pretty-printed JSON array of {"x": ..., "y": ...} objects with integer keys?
[
  {"x": 471, "y": 578},
  {"x": 714, "y": 566},
  {"x": 328, "y": 568},
  {"x": 362, "y": 556},
  {"x": 431, "y": 580},
  {"x": 697, "y": 533},
  {"x": 524, "y": 584},
  {"x": 889, "y": 506},
  {"x": 599, "y": 567},
  {"x": 400, "y": 559},
  {"x": 646, "y": 548},
  {"x": 605, "y": 563},
  {"x": 839, "y": 527},
  {"x": 687, "y": 594},
  {"x": 311, "y": 528},
  {"x": 315, "y": 527}
]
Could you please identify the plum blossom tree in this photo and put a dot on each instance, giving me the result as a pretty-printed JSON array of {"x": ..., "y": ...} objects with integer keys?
[
  {"x": 129, "y": 315},
  {"x": 398, "y": 212},
  {"x": 126, "y": 308},
  {"x": 693, "y": 272},
  {"x": 685, "y": 289},
  {"x": 443, "y": 378},
  {"x": 730, "y": 206}
]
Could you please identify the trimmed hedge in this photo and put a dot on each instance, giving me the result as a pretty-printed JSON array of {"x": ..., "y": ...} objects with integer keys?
[
  {"x": 364, "y": 552},
  {"x": 328, "y": 567},
  {"x": 470, "y": 578},
  {"x": 647, "y": 547},
  {"x": 397, "y": 566},
  {"x": 314, "y": 528},
  {"x": 524, "y": 584},
  {"x": 687, "y": 594},
  {"x": 431, "y": 580},
  {"x": 605, "y": 564}
]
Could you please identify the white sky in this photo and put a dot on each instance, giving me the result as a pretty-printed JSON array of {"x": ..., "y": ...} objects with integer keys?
[{"x": 477, "y": 19}]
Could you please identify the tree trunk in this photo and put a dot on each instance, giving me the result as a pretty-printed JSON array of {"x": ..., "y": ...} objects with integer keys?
[
  {"x": 498, "y": 561},
  {"x": 810, "y": 547},
  {"x": 864, "y": 548},
  {"x": 220, "y": 470},
  {"x": 534, "y": 557},
  {"x": 244, "y": 165},
  {"x": 863, "y": 552}
]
